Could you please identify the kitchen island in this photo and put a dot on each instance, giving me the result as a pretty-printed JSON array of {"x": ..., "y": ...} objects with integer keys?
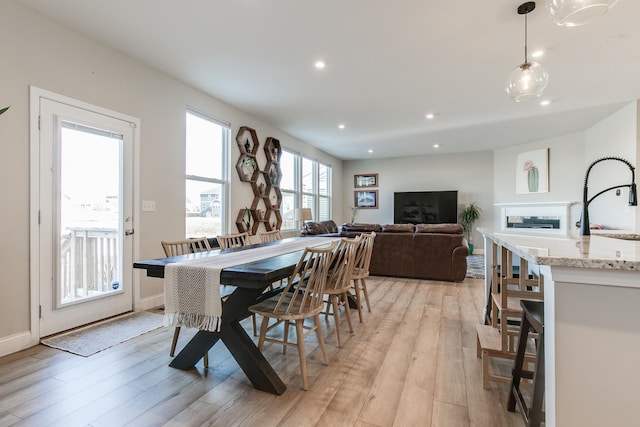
[{"x": 592, "y": 322}]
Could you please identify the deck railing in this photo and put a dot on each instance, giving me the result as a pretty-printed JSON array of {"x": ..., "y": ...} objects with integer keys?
[{"x": 89, "y": 263}]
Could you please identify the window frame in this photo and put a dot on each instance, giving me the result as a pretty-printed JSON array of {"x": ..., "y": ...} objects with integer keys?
[{"x": 225, "y": 180}]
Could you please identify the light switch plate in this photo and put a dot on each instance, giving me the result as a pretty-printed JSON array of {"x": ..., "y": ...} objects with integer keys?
[{"x": 148, "y": 206}]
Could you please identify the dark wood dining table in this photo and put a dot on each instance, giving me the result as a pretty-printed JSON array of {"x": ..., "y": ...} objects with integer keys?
[{"x": 250, "y": 281}]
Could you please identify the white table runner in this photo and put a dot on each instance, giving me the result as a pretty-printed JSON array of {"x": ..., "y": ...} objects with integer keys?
[{"x": 192, "y": 288}]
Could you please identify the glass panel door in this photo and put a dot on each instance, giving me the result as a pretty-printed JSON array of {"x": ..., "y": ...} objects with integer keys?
[{"x": 85, "y": 235}]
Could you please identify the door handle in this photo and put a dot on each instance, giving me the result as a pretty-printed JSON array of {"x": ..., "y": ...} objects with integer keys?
[{"x": 128, "y": 232}]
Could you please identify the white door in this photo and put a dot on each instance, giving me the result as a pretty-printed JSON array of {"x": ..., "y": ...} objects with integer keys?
[{"x": 85, "y": 208}]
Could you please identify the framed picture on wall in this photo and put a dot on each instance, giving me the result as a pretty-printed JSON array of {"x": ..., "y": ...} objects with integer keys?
[
  {"x": 366, "y": 199},
  {"x": 366, "y": 180},
  {"x": 532, "y": 172}
]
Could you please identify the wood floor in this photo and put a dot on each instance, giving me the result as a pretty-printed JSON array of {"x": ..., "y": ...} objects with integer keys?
[{"x": 412, "y": 363}]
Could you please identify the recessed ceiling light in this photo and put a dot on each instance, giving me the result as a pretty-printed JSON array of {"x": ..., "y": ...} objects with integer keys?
[
  {"x": 545, "y": 102},
  {"x": 319, "y": 64},
  {"x": 341, "y": 126},
  {"x": 537, "y": 53},
  {"x": 430, "y": 116},
  {"x": 436, "y": 145},
  {"x": 370, "y": 151}
]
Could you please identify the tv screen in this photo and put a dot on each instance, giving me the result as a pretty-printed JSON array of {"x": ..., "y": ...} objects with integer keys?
[{"x": 425, "y": 207}]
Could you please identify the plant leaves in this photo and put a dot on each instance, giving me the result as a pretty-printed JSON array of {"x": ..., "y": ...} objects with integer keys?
[{"x": 4, "y": 109}]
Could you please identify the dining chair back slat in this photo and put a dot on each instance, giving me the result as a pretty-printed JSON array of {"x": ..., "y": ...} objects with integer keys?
[
  {"x": 237, "y": 240},
  {"x": 270, "y": 236},
  {"x": 186, "y": 246}
]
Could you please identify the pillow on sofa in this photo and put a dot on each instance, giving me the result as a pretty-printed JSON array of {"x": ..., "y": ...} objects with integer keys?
[
  {"x": 313, "y": 228},
  {"x": 323, "y": 227},
  {"x": 439, "y": 228},
  {"x": 329, "y": 226},
  {"x": 398, "y": 228}
]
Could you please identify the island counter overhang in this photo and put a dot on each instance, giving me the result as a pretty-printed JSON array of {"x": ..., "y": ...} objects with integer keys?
[{"x": 592, "y": 322}]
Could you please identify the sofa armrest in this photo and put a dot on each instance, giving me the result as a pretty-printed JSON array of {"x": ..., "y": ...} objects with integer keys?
[{"x": 459, "y": 263}]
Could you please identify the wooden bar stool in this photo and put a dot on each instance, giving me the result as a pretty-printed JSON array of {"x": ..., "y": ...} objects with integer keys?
[{"x": 532, "y": 321}]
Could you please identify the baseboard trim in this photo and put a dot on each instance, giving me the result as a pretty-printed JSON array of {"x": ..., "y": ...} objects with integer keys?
[
  {"x": 150, "y": 302},
  {"x": 16, "y": 342}
]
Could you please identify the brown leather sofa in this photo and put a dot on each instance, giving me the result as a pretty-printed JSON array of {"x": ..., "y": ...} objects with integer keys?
[{"x": 423, "y": 251}]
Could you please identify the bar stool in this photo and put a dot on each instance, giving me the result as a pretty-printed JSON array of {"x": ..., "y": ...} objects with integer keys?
[{"x": 532, "y": 321}]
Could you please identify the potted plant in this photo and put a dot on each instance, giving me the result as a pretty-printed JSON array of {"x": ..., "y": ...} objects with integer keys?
[
  {"x": 249, "y": 166},
  {"x": 468, "y": 216}
]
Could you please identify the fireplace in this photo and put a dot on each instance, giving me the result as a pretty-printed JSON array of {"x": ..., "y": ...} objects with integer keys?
[{"x": 547, "y": 218}]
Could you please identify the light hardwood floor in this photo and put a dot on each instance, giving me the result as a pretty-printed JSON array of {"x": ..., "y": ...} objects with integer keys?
[{"x": 412, "y": 363}]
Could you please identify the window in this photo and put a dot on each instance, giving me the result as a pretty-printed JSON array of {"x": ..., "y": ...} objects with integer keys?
[
  {"x": 288, "y": 188},
  {"x": 305, "y": 183},
  {"x": 324, "y": 192},
  {"x": 207, "y": 178}
]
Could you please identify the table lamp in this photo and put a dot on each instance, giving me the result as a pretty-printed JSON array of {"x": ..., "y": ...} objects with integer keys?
[{"x": 303, "y": 214}]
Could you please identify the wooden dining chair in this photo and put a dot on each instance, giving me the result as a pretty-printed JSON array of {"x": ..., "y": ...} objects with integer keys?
[
  {"x": 183, "y": 247},
  {"x": 237, "y": 240},
  {"x": 187, "y": 246},
  {"x": 270, "y": 236},
  {"x": 339, "y": 282},
  {"x": 361, "y": 271},
  {"x": 302, "y": 298}
]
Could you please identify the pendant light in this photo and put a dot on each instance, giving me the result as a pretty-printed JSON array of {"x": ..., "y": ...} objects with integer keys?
[
  {"x": 528, "y": 80},
  {"x": 572, "y": 13}
]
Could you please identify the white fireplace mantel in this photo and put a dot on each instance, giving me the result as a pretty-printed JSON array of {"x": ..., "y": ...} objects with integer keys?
[{"x": 553, "y": 209}]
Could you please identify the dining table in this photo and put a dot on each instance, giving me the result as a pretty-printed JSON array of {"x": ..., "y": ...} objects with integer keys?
[{"x": 248, "y": 282}]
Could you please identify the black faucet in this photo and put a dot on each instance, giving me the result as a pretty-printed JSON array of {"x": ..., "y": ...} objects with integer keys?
[{"x": 633, "y": 194}]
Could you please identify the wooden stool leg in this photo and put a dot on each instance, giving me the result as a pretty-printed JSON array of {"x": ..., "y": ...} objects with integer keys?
[
  {"x": 514, "y": 390},
  {"x": 535, "y": 412}
]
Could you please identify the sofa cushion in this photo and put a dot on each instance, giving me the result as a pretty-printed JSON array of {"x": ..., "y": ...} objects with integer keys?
[
  {"x": 439, "y": 228},
  {"x": 361, "y": 227},
  {"x": 398, "y": 228}
]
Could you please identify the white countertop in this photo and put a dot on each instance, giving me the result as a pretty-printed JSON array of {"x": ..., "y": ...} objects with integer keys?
[{"x": 612, "y": 250}]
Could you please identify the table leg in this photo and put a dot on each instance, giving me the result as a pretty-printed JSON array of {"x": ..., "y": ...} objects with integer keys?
[{"x": 240, "y": 345}]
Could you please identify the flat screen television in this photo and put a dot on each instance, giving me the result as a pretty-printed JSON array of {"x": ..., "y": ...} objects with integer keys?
[{"x": 425, "y": 207}]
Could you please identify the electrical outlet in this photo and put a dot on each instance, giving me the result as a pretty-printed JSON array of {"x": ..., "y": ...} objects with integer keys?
[{"x": 148, "y": 206}]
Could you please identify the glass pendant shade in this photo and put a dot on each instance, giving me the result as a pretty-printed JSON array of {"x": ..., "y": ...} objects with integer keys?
[
  {"x": 527, "y": 81},
  {"x": 572, "y": 13}
]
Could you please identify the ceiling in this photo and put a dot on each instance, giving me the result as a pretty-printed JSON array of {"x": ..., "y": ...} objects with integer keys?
[{"x": 388, "y": 64}]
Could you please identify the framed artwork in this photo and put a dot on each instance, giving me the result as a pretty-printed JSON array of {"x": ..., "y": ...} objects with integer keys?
[
  {"x": 532, "y": 172},
  {"x": 366, "y": 180},
  {"x": 367, "y": 199}
]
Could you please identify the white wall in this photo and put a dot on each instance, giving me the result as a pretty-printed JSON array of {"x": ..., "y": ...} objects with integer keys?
[
  {"x": 566, "y": 172},
  {"x": 471, "y": 174},
  {"x": 37, "y": 51},
  {"x": 617, "y": 135}
]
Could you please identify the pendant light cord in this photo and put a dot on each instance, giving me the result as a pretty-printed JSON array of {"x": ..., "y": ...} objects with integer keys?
[{"x": 526, "y": 61}]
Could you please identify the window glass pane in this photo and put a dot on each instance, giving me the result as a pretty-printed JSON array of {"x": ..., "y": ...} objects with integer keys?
[
  {"x": 307, "y": 176},
  {"x": 204, "y": 208},
  {"x": 288, "y": 166},
  {"x": 308, "y": 201},
  {"x": 324, "y": 180},
  {"x": 287, "y": 210},
  {"x": 206, "y": 182},
  {"x": 324, "y": 209},
  {"x": 204, "y": 147}
]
